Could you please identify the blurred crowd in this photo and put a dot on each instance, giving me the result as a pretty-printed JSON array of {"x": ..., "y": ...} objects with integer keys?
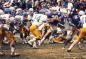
[{"x": 41, "y": 4}]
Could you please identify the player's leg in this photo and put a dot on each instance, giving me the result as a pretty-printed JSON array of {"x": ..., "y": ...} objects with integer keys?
[
  {"x": 36, "y": 35},
  {"x": 1, "y": 51},
  {"x": 12, "y": 41},
  {"x": 81, "y": 35}
]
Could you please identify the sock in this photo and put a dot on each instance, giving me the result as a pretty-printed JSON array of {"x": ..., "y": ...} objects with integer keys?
[
  {"x": 34, "y": 44},
  {"x": 12, "y": 50}
]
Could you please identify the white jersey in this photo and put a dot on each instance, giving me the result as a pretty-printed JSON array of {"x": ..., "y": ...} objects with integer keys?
[
  {"x": 39, "y": 18},
  {"x": 83, "y": 20},
  {"x": 70, "y": 5},
  {"x": 5, "y": 16},
  {"x": 6, "y": 26},
  {"x": 19, "y": 17}
]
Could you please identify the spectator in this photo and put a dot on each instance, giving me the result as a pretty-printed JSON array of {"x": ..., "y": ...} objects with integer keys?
[{"x": 29, "y": 4}]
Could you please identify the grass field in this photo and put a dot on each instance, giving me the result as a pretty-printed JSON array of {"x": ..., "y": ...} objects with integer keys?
[{"x": 46, "y": 51}]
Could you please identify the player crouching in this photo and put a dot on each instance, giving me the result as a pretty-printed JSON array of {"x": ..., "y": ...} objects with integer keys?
[{"x": 36, "y": 30}]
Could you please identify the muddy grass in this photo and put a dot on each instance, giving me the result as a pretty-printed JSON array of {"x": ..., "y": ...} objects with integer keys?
[{"x": 47, "y": 51}]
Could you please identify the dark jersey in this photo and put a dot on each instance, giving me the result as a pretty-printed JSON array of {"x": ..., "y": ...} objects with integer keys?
[
  {"x": 80, "y": 5},
  {"x": 24, "y": 22},
  {"x": 55, "y": 21},
  {"x": 75, "y": 19}
]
